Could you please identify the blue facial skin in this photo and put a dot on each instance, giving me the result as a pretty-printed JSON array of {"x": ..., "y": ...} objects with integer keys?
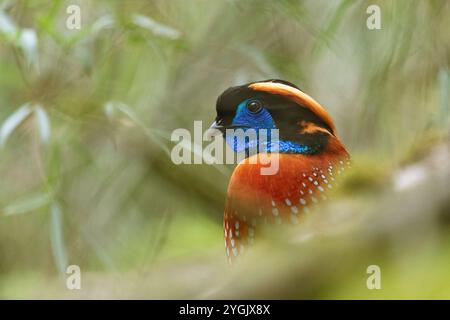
[{"x": 256, "y": 121}]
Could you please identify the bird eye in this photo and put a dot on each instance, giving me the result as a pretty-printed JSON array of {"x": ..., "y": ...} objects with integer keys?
[{"x": 254, "y": 106}]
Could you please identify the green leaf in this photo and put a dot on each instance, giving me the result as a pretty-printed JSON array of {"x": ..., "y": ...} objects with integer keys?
[
  {"x": 157, "y": 28},
  {"x": 104, "y": 22},
  {"x": 7, "y": 26},
  {"x": 12, "y": 122},
  {"x": 56, "y": 238},
  {"x": 108, "y": 108},
  {"x": 111, "y": 107},
  {"x": 43, "y": 123},
  {"x": 28, "y": 204},
  {"x": 28, "y": 43}
]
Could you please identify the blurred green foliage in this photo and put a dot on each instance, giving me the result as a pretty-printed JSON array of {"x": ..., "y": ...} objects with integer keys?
[{"x": 86, "y": 117}]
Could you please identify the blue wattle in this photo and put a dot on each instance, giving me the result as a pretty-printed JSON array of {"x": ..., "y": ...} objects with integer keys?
[{"x": 293, "y": 147}]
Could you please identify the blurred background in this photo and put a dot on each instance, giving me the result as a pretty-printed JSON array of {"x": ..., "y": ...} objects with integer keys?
[{"x": 85, "y": 122}]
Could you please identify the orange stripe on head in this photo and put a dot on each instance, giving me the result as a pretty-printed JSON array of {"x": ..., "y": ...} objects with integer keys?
[{"x": 299, "y": 97}]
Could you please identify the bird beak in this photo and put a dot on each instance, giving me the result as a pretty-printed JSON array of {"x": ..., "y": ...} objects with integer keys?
[
  {"x": 213, "y": 125},
  {"x": 214, "y": 130}
]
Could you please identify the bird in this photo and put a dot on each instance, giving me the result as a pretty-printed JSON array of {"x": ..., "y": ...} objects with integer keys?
[{"x": 310, "y": 158}]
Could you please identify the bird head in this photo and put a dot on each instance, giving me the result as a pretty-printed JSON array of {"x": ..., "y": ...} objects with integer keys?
[{"x": 304, "y": 126}]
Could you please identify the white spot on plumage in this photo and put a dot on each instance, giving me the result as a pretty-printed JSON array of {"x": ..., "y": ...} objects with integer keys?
[
  {"x": 232, "y": 243},
  {"x": 275, "y": 211},
  {"x": 316, "y": 183},
  {"x": 294, "y": 209},
  {"x": 302, "y": 201},
  {"x": 320, "y": 188},
  {"x": 288, "y": 202}
]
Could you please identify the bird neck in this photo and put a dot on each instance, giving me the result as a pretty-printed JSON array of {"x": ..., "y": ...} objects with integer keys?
[{"x": 317, "y": 143}]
